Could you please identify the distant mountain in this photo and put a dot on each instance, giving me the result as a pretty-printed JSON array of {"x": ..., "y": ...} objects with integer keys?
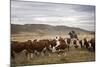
[{"x": 44, "y": 29}]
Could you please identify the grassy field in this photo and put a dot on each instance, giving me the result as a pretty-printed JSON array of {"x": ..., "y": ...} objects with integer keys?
[
  {"x": 32, "y": 36},
  {"x": 74, "y": 55}
]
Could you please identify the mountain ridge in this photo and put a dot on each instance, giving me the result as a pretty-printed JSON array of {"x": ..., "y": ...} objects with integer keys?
[{"x": 44, "y": 29}]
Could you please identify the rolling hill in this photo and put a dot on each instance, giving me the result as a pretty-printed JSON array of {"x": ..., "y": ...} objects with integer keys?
[{"x": 44, "y": 29}]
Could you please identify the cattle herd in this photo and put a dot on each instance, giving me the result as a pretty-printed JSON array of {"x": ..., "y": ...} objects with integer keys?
[{"x": 46, "y": 46}]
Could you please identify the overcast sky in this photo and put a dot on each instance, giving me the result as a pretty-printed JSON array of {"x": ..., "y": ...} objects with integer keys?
[{"x": 25, "y": 12}]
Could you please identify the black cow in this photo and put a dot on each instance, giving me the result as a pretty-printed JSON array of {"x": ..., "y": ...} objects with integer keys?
[{"x": 92, "y": 42}]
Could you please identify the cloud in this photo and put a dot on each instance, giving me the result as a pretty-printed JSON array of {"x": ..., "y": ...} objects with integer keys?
[
  {"x": 85, "y": 8},
  {"x": 28, "y": 12}
]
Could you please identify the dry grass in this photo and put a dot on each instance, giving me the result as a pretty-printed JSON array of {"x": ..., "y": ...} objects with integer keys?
[
  {"x": 74, "y": 55},
  {"x": 31, "y": 36}
]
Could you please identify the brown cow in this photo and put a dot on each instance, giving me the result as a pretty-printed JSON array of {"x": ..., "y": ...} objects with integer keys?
[
  {"x": 52, "y": 43},
  {"x": 68, "y": 42},
  {"x": 85, "y": 43},
  {"x": 37, "y": 47},
  {"x": 62, "y": 46},
  {"x": 92, "y": 42},
  {"x": 41, "y": 46},
  {"x": 29, "y": 47},
  {"x": 75, "y": 42},
  {"x": 16, "y": 47}
]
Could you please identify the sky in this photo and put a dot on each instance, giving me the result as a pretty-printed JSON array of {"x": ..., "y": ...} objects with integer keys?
[{"x": 32, "y": 12}]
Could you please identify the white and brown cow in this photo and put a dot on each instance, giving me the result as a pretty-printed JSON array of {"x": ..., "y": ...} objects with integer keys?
[
  {"x": 84, "y": 43},
  {"x": 60, "y": 45},
  {"x": 92, "y": 44}
]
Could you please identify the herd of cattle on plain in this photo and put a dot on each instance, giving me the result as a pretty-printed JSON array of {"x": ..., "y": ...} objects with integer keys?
[{"x": 44, "y": 46}]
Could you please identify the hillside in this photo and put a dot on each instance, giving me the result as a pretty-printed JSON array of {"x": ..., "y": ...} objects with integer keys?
[{"x": 44, "y": 29}]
